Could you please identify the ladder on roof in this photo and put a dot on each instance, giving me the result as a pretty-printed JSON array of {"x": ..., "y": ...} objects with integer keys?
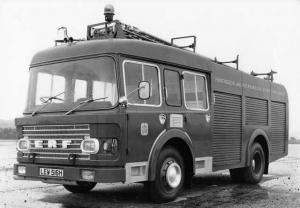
[{"x": 116, "y": 29}]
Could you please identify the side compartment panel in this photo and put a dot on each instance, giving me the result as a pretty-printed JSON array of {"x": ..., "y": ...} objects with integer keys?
[
  {"x": 227, "y": 129},
  {"x": 256, "y": 111},
  {"x": 278, "y": 124}
]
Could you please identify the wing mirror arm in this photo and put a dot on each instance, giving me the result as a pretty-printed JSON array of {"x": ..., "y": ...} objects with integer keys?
[{"x": 144, "y": 93}]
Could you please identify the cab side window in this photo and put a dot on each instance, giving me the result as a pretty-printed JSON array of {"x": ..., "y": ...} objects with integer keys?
[
  {"x": 172, "y": 88},
  {"x": 134, "y": 73},
  {"x": 195, "y": 91}
]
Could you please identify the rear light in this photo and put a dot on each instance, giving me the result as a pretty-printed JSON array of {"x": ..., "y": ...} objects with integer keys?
[
  {"x": 21, "y": 170},
  {"x": 23, "y": 144},
  {"x": 90, "y": 145}
]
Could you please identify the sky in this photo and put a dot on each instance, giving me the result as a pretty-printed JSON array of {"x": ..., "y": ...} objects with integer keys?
[{"x": 265, "y": 33}]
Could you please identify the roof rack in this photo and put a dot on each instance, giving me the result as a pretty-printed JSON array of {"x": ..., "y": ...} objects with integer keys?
[
  {"x": 270, "y": 75},
  {"x": 116, "y": 29},
  {"x": 193, "y": 45},
  {"x": 235, "y": 61},
  {"x": 66, "y": 38}
]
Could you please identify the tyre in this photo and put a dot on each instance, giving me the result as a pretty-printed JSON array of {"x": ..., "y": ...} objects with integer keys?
[
  {"x": 169, "y": 176},
  {"x": 81, "y": 187},
  {"x": 236, "y": 175},
  {"x": 254, "y": 173}
]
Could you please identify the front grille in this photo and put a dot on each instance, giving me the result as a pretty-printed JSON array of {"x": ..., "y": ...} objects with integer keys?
[{"x": 56, "y": 141}]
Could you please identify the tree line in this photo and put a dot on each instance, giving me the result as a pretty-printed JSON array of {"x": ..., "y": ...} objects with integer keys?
[{"x": 8, "y": 133}]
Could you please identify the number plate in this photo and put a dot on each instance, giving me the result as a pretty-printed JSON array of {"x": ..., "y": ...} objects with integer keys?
[{"x": 51, "y": 172}]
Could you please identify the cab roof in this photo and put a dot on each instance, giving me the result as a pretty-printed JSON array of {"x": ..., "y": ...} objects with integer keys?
[{"x": 128, "y": 47}]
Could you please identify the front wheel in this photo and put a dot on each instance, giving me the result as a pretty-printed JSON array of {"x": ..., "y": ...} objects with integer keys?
[
  {"x": 169, "y": 176},
  {"x": 81, "y": 187}
]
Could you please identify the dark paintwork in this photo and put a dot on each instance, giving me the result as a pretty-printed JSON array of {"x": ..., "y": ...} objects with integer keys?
[
  {"x": 138, "y": 147},
  {"x": 134, "y": 48},
  {"x": 165, "y": 137},
  {"x": 102, "y": 125},
  {"x": 102, "y": 175},
  {"x": 246, "y": 85}
]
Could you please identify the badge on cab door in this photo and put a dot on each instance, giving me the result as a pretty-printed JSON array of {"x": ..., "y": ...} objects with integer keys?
[
  {"x": 144, "y": 129},
  {"x": 162, "y": 118}
]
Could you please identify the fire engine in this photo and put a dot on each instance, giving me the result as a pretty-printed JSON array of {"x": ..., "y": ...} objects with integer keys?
[{"x": 126, "y": 106}]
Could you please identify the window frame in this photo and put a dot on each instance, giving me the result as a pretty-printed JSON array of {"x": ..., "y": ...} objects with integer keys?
[
  {"x": 31, "y": 88},
  {"x": 180, "y": 90},
  {"x": 159, "y": 81},
  {"x": 206, "y": 88}
]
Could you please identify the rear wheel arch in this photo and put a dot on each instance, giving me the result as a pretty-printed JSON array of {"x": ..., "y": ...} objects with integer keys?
[
  {"x": 177, "y": 139},
  {"x": 260, "y": 136}
]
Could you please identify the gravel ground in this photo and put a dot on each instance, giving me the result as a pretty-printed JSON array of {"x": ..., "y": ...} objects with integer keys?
[{"x": 281, "y": 188}]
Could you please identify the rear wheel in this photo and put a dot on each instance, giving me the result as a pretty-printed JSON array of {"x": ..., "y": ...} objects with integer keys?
[
  {"x": 254, "y": 173},
  {"x": 236, "y": 175},
  {"x": 169, "y": 176},
  {"x": 81, "y": 187}
]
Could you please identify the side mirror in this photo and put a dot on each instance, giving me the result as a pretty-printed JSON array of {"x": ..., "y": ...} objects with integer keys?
[{"x": 144, "y": 90}]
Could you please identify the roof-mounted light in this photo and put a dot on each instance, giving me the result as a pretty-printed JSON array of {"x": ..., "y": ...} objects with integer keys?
[{"x": 109, "y": 12}]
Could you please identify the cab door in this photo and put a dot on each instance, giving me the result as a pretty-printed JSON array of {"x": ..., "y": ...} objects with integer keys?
[
  {"x": 197, "y": 111},
  {"x": 143, "y": 125}
]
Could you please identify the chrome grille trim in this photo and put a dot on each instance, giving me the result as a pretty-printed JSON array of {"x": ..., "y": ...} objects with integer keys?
[
  {"x": 74, "y": 133},
  {"x": 57, "y": 156},
  {"x": 55, "y": 130},
  {"x": 55, "y": 134},
  {"x": 43, "y": 127}
]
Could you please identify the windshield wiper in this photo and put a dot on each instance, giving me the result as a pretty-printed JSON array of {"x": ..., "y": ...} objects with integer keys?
[
  {"x": 83, "y": 103},
  {"x": 47, "y": 101}
]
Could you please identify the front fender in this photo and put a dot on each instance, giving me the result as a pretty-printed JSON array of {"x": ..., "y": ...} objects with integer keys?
[{"x": 160, "y": 141}]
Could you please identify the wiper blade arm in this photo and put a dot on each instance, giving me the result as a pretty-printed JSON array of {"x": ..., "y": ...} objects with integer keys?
[
  {"x": 51, "y": 98},
  {"x": 47, "y": 101},
  {"x": 83, "y": 103}
]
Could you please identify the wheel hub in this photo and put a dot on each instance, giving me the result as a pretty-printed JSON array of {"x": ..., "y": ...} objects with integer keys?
[
  {"x": 256, "y": 163},
  {"x": 253, "y": 164},
  {"x": 173, "y": 175}
]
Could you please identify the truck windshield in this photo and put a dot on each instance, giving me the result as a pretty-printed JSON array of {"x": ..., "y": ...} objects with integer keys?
[{"x": 67, "y": 84}]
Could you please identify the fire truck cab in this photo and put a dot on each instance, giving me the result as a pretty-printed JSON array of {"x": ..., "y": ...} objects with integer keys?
[{"x": 125, "y": 106}]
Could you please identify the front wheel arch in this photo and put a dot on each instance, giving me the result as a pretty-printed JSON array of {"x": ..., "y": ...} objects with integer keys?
[
  {"x": 169, "y": 178},
  {"x": 179, "y": 140}
]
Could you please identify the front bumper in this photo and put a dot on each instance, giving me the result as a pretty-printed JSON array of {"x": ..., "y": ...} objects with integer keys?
[{"x": 71, "y": 174}]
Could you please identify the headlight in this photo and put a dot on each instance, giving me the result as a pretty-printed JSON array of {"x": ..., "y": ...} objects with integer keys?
[
  {"x": 90, "y": 145},
  {"x": 23, "y": 144}
]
